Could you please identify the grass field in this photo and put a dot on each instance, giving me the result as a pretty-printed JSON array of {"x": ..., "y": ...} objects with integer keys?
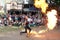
[
  {"x": 15, "y": 28},
  {"x": 7, "y": 28}
]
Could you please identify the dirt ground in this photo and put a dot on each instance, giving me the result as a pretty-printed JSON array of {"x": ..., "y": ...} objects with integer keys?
[{"x": 15, "y": 35}]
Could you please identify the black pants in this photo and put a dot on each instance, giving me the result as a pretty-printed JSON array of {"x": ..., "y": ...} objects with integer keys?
[{"x": 26, "y": 28}]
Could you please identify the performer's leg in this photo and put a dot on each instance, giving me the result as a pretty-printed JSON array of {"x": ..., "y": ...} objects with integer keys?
[
  {"x": 28, "y": 33},
  {"x": 29, "y": 29},
  {"x": 24, "y": 31}
]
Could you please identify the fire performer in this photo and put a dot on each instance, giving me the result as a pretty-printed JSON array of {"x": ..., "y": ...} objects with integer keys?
[{"x": 26, "y": 23}]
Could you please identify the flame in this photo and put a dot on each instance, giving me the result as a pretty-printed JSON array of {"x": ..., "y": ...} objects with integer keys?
[
  {"x": 42, "y": 31},
  {"x": 52, "y": 19},
  {"x": 41, "y": 4},
  {"x": 37, "y": 34},
  {"x": 34, "y": 32},
  {"x": 51, "y": 15}
]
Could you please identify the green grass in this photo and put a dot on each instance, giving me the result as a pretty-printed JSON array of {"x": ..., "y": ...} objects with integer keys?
[
  {"x": 15, "y": 28},
  {"x": 7, "y": 29}
]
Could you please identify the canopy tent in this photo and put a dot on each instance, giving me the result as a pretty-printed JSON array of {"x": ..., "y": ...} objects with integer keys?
[{"x": 14, "y": 11}]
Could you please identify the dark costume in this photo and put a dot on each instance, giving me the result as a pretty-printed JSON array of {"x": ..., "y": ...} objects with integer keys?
[{"x": 26, "y": 27}]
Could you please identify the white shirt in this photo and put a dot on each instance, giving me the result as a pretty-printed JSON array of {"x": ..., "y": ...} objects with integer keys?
[{"x": 29, "y": 19}]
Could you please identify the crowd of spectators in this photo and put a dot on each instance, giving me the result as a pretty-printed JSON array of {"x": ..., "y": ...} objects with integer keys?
[
  {"x": 17, "y": 20},
  {"x": 11, "y": 20}
]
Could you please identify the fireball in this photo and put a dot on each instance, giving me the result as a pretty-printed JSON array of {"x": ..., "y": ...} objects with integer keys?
[
  {"x": 52, "y": 19},
  {"x": 41, "y": 4},
  {"x": 51, "y": 15}
]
